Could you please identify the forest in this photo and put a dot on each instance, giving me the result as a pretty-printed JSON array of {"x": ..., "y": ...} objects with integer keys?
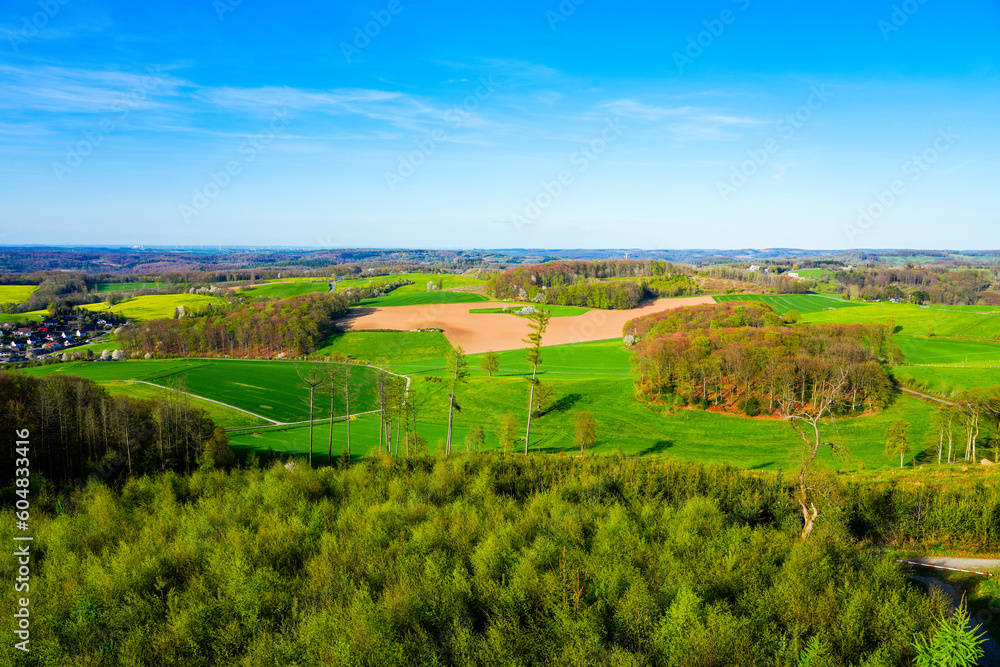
[
  {"x": 479, "y": 560},
  {"x": 746, "y": 358},
  {"x": 79, "y": 430},
  {"x": 267, "y": 328},
  {"x": 923, "y": 284},
  {"x": 580, "y": 283}
]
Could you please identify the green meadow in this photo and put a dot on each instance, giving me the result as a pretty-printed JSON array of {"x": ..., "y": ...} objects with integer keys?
[
  {"x": 553, "y": 310},
  {"x": 782, "y": 303},
  {"x": 221, "y": 415},
  {"x": 922, "y": 350},
  {"x": 945, "y": 381},
  {"x": 398, "y": 298},
  {"x": 156, "y": 306},
  {"x": 271, "y": 389},
  {"x": 419, "y": 280},
  {"x": 395, "y": 347},
  {"x": 122, "y": 287},
  {"x": 285, "y": 290},
  {"x": 914, "y": 320}
]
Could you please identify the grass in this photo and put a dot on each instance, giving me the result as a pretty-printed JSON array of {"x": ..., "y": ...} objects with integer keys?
[
  {"x": 285, "y": 290},
  {"x": 813, "y": 273},
  {"x": 14, "y": 318},
  {"x": 121, "y": 287},
  {"x": 157, "y": 306},
  {"x": 918, "y": 321},
  {"x": 628, "y": 426},
  {"x": 944, "y": 381},
  {"x": 223, "y": 416},
  {"x": 554, "y": 310},
  {"x": 397, "y": 346},
  {"x": 397, "y": 298},
  {"x": 268, "y": 389},
  {"x": 782, "y": 303},
  {"x": 420, "y": 280},
  {"x": 922, "y": 350},
  {"x": 16, "y": 293}
]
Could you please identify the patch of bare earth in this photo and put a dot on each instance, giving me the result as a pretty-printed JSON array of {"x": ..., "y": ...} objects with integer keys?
[{"x": 482, "y": 332}]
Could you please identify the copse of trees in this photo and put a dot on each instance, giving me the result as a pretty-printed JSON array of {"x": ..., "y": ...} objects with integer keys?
[
  {"x": 774, "y": 281},
  {"x": 743, "y": 357},
  {"x": 291, "y": 326},
  {"x": 580, "y": 283},
  {"x": 77, "y": 429},
  {"x": 921, "y": 284}
]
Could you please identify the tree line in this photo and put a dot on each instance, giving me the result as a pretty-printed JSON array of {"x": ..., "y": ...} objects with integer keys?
[
  {"x": 597, "y": 284},
  {"x": 292, "y": 327},
  {"x": 79, "y": 430}
]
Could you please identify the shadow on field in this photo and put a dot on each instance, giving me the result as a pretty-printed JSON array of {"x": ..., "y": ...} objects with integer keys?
[
  {"x": 343, "y": 324},
  {"x": 658, "y": 447},
  {"x": 564, "y": 404},
  {"x": 761, "y": 466}
]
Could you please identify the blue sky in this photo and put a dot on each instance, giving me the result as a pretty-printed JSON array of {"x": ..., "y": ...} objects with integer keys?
[{"x": 723, "y": 124}]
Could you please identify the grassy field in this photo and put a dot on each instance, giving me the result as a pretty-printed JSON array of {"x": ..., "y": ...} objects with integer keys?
[
  {"x": 121, "y": 287},
  {"x": 944, "y": 381},
  {"x": 33, "y": 316},
  {"x": 813, "y": 273},
  {"x": 922, "y": 350},
  {"x": 398, "y": 347},
  {"x": 223, "y": 416},
  {"x": 629, "y": 427},
  {"x": 397, "y": 298},
  {"x": 269, "y": 389},
  {"x": 554, "y": 310},
  {"x": 285, "y": 289},
  {"x": 16, "y": 293},
  {"x": 782, "y": 303},
  {"x": 420, "y": 280},
  {"x": 157, "y": 306},
  {"x": 918, "y": 321}
]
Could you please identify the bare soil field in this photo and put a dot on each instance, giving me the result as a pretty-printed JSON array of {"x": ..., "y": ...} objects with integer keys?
[{"x": 482, "y": 332}]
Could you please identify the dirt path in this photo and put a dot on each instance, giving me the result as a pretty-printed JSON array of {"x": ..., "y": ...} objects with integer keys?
[{"x": 482, "y": 332}]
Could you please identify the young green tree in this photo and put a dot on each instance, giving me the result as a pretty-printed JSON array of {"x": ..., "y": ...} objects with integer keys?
[
  {"x": 897, "y": 440},
  {"x": 586, "y": 430},
  {"x": 955, "y": 644},
  {"x": 458, "y": 371},
  {"x": 538, "y": 321},
  {"x": 490, "y": 362},
  {"x": 333, "y": 373},
  {"x": 507, "y": 432},
  {"x": 475, "y": 439},
  {"x": 544, "y": 393}
]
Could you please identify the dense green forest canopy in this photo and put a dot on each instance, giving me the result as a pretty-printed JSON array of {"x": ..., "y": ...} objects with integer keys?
[
  {"x": 611, "y": 284},
  {"x": 743, "y": 356},
  {"x": 472, "y": 561}
]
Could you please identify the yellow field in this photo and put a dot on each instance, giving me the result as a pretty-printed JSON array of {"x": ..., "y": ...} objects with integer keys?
[
  {"x": 157, "y": 306},
  {"x": 16, "y": 293}
]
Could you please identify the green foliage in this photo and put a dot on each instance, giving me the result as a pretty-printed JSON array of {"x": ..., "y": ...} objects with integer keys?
[
  {"x": 490, "y": 363},
  {"x": 955, "y": 644},
  {"x": 471, "y": 560},
  {"x": 897, "y": 440}
]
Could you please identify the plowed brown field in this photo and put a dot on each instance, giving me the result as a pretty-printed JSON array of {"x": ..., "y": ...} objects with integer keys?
[{"x": 482, "y": 332}]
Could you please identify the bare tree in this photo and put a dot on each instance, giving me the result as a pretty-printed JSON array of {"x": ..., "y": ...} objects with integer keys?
[
  {"x": 827, "y": 392},
  {"x": 311, "y": 380}
]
